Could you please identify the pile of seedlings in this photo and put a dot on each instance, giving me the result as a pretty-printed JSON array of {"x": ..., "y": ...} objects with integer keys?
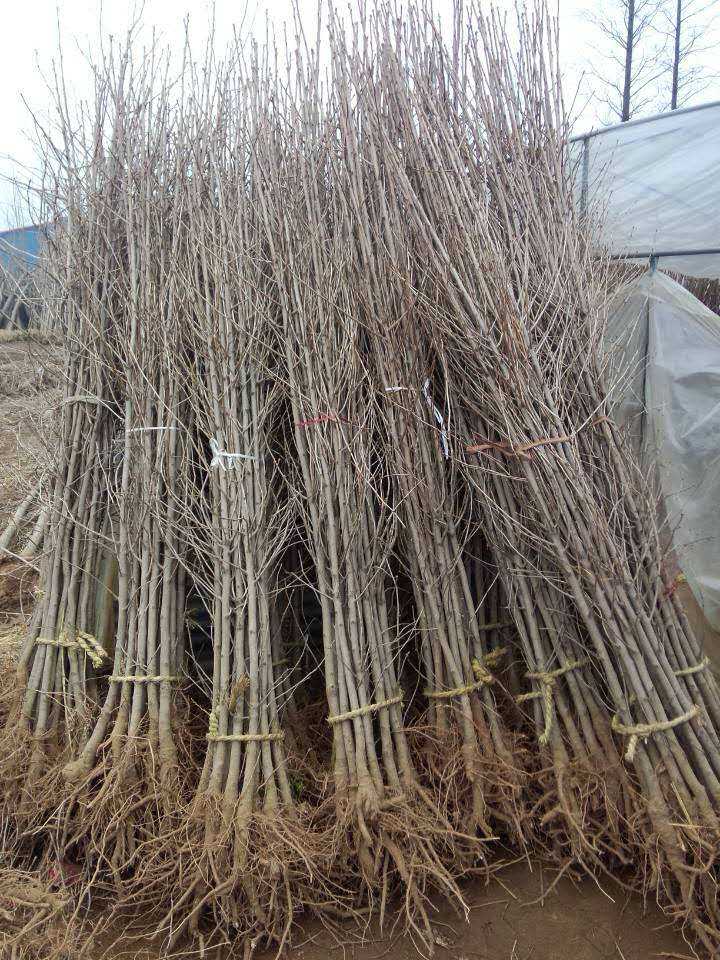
[
  {"x": 18, "y": 298},
  {"x": 24, "y": 533},
  {"x": 350, "y": 585}
]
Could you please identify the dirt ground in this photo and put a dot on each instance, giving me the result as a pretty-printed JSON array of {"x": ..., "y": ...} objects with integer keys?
[
  {"x": 30, "y": 376},
  {"x": 509, "y": 921},
  {"x": 512, "y": 918}
]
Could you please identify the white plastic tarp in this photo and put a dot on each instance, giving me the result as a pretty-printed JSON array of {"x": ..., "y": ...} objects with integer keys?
[
  {"x": 663, "y": 347},
  {"x": 655, "y": 184}
]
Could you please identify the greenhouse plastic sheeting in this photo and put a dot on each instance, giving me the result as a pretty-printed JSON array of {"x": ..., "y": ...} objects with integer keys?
[
  {"x": 655, "y": 184},
  {"x": 663, "y": 348}
]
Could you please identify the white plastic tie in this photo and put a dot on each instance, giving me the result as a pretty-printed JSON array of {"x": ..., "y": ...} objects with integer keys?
[
  {"x": 225, "y": 459},
  {"x": 149, "y": 429},
  {"x": 439, "y": 418},
  {"x": 394, "y": 389}
]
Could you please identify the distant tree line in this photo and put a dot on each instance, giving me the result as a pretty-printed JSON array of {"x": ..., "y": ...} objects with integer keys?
[{"x": 652, "y": 52}]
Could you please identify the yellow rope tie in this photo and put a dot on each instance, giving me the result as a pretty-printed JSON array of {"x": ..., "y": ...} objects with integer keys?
[
  {"x": 91, "y": 647},
  {"x": 483, "y": 677},
  {"x": 368, "y": 708},
  {"x": 244, "y": 737},
  {"x": 212, "y": 725},
  {"x": 239, "y": 688},
  {"x": 57, "y": 642},
  {"x": 696, "y": 668},
  {"x": 481, "y": 672},
  {"x": 493, "y": 658},
  {"x": 548, "y": 678},
  {"x": 547, "y": 696},
  {"x": 647, "y": 729},
  {"x": 138, "y": 679},
  {"x": 83, "y": 641},
  {"x": 456, "y": 691},
  {"x": 497, "y": 625}
]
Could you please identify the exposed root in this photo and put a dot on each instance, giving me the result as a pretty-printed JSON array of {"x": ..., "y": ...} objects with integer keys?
[
  {"x": 501, "y": 782},
  {"x": 247, "y": 876},
  {"x": 36, "y": 921}
]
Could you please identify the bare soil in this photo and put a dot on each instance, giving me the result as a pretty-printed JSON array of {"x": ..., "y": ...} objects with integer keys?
[
  {"x": 510, "y": 920},
  {"x": 514, "y": 917},
  {"x": 30, "y": 377}
]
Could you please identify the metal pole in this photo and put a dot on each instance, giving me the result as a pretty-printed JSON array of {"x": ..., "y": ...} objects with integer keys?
[
  {"x": 657, "y": 254},
  {"x": 585, "y": 178},
  {"x": 599, "y": 131}
]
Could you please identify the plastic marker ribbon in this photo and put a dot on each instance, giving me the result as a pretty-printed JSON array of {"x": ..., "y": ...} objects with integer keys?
[
  {"x": 323, "y": 418},
  {"x": 223, "y": 459},
  {"x": 438, "y": 417}
]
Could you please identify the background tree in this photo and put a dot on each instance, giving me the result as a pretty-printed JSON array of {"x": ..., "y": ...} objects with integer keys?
[
  {"x": 630, "y": 59},
  {"x": 689, "y": 27}
]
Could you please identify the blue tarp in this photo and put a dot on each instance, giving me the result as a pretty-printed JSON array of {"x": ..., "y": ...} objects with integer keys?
[{"x": 20, "y": 247}]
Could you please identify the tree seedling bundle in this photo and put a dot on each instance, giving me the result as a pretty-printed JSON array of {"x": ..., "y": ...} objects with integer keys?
[{"x": 350, "y": 584}]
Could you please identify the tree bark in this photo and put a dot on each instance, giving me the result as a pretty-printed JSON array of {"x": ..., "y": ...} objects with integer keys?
[
  {"x": 676, "y": 58},
  {"x": 629, "y": 45}
]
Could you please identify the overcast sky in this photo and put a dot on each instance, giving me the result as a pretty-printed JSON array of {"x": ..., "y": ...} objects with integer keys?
[{"x": 29, "y": 43}]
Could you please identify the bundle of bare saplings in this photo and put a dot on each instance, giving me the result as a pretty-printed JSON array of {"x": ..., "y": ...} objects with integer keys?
[{"x": 350, "y": 585}]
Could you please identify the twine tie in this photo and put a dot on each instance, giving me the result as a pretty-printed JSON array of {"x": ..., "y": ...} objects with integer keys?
[
  {"x": 483, "y": 677},
  {"x": 83, "y": 641},
  {"x": 368, "y": 708},
  {"x": 214, "y": 737},
  {"x": 548, "y": 679},
  {"x": 645, "y": 730},
  {"x": 695, "y": 668}
]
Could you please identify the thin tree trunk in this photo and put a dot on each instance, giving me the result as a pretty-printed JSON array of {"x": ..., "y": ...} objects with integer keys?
[
  {"x": 676, "y": 57},
  {"x": 629, "y": 44}
]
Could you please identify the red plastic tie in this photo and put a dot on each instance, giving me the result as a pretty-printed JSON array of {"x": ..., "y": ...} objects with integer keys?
[{"x": 322, "y": 418}]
